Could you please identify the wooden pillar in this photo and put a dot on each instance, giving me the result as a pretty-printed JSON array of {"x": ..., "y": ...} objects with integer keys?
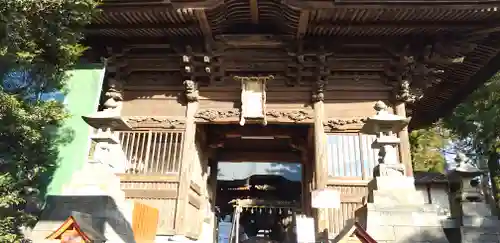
[
  {"x": 307, "y": 179},
  {"x": 404, "y": 146},
  {"x": 320, "y": 159},
  {"x": 188, "y": 151},
  {"x": 214, "y": 168}
]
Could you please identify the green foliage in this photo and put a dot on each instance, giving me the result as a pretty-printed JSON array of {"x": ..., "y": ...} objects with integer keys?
[
  {"x": 426, "y": 148},
  {"x": 476, "y": 122},
  {"x": 39, "y": 42}
]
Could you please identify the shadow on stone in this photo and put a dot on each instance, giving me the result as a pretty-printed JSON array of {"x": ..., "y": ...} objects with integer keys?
[
  {"x": 432, "y": 235},
  {"x": 107, "y": 218}
]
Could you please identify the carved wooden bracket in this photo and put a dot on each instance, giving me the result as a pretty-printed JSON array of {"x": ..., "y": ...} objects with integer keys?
[
  {"x": 190, "y": 85},
  {"x": 211, "y": 115},
  {"x": 415, "y": 68},
  {"x": 297, "y": 68},
  {"x": 294, "y": 116},
  {"x": 113, "y": 96},
  {"x": 155, "y": 122},
  {"x": 318, "y": 90},
  {"x": 344, "y": 124},
  {"x": 232, "y": 115}
]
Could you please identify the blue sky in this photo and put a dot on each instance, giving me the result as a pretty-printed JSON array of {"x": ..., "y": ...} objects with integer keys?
[
  {"x": 15, "y": 80},
  {"x": 242, "y": 170}
]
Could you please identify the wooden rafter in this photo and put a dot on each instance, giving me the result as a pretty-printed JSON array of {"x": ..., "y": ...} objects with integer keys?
[
  {"x": 203, "y": 23},
  {"x": 254, "y": 11},
  {"x": 363, "y": 4},
  {"x": 303, "y": 23}
]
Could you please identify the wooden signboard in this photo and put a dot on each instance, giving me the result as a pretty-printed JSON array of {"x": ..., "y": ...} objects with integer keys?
[
  {"x": 305, "y": 229},
  {"x": 144, "y": 222},
  {"x": 325, "y": 198}
]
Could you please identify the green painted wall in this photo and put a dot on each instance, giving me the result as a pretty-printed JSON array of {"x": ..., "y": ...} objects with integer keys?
[{"x": 82, "y": 98}]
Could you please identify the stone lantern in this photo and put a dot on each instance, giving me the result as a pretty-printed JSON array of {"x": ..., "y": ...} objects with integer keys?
[
  {"x": 107, "y": 148},
  {"x": 466, "y": 173},
  {"x": 397, "y": 212},
  {"x": 477, "y": 219},
  {"x": 385, "y": 127}
]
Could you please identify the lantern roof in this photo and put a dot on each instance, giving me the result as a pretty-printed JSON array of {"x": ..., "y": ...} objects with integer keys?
[
  {"x": 82, "y": 224},
  {"x": 384, "y": 121}
]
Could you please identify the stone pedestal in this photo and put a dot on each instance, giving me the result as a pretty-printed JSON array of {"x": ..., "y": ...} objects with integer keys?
[
  {"x": 399, "y": 214},
  {"x": 478, "y": 224},
  {"x": 94, "y": 190}
]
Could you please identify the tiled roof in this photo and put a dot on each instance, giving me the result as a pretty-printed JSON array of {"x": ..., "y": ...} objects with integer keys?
[{"x": 422, "y": 177}]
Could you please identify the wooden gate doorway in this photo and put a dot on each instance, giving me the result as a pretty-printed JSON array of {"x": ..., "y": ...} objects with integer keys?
[{"x": 276, "y": 153}]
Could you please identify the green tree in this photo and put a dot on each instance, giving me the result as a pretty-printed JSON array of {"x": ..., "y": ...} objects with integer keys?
[
  {"x": 39, "y": 42},
  {"x": 426, "y": 146},
  {"x": 476, "y": 122}
]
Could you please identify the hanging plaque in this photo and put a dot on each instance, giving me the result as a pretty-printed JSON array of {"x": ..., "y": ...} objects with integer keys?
[
  {"x": 253, "y": 97},
  {"x": 325, "y": 198}
]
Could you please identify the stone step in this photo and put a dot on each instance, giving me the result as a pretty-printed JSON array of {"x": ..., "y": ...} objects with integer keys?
[
  {"x": 424, "y": 208},
  {"x": 406, "y": 234},
  {"x": 476, "y": 209},
  {"x": 403, "y": 219},
  {"x": 480, "y": 235},
  {"x": 401, "y": 215}
]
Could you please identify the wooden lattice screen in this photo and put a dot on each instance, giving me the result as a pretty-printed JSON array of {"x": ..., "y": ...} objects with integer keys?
[{"x": 152, "y": 152}]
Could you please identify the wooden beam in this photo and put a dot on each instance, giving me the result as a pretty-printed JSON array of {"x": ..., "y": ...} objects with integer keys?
[
  {"x": 148, "y": 178},
  {"x": 157, "y": 5},
  {"x": 92, "y": 28},
  {"x": 153, "y": 193},
  {"x": 276, "y": 40},
  {"x": 459, "y": 25},
  {"x": 205, "y": 27},
  {"x": 269, "y": 130},
  {"x": 257, "y": 156},
  {"x": 303, "y": 23},
  {"x": 188, "y": 151},
  {"x": 377, "y": 4},
  {"x": 194, "y": 200},
  {"x": 254, "y": 11}
]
